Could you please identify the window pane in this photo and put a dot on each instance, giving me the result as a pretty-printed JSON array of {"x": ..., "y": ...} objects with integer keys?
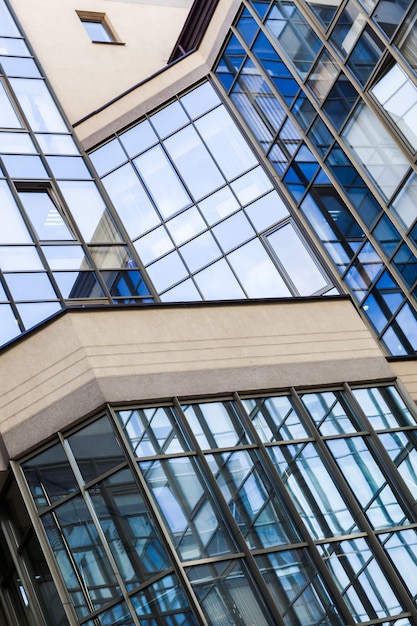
[
  {"x": 256, "y": 271},
  {"x": 131, "y": 201},
  {"x": 95, "y": 224},
  {"x": 96, "y": 449},
  {"x": 226, "y": 143},
  {"x": 153, "y": 431},
  {"x": 375, "y": 150},
  {"x": 38, "y": 105},
  {"x": 194, "y": 162},
  {"x": 154, "y": 166},
  {"x": 44, "y": 215},
  {"x": 130, "y": 530},
  {"x": 255, "y": 503},
  {"x": 298, "y": 589},
  {"x": 13, "y": 228},
  {"x": 398, "y": 96},
  {"x": 49, "y": 476},
  {"x": 225, "y": 589},
  {"x": 297, "y": 261},
  {"x": 8, "y": 116},
  {"x": 313, "y": 490},
  {"x": 360, "y": 579},
  {"x": 184, "y": 501}
]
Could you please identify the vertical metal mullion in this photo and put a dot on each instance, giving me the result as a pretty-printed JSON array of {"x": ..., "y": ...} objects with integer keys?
[
  {"x": 358, "y": 514},
  {"x": 317, "y": 559},
  {"x": 231, "y": 524},
  {"x": 87, "y": 499},
  {"x": 45, "y": 545},
  {"x": 147, "y": 495}
]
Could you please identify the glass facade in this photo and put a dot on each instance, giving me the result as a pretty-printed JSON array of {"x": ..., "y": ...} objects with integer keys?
[
  {"x": 331, "y": 102},
  {"x": 288, "y": 172},
  {"x": 293, "y": 509},
  {"x": 60, "y": 240},
  {"x": 216, "y": 228}
]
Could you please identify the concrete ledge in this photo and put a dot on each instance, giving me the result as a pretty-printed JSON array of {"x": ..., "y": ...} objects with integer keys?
[{"x": 83, "y": 359}]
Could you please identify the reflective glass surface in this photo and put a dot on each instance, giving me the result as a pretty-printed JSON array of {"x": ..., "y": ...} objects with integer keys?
[
  {"x": 210, "y": 174},
  {"x": 295, "y": 509},
  {"x": 281, "y": 82}
]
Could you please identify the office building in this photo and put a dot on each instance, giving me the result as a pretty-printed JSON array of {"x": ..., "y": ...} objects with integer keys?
[{"x": 208, "y": 321}]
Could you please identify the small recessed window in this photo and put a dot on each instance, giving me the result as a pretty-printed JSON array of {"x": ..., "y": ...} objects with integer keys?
[{"x": 98, "y": 27}]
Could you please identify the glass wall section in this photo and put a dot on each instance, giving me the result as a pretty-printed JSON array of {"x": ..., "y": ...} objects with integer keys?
[
  {"x": 28, "y": 595},
  {"x": 290, "y": 509},
  {"x": 59, "y": 241},
  {"x": 340, "y": 137},
  {"x": 211, "y": 230}
]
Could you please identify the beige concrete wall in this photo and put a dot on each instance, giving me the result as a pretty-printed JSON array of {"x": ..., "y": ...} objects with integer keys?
[
  {"x": 86, "y": 75},
  {"x": 83, "y": 359},
  {"x": 407, "y": 372}
]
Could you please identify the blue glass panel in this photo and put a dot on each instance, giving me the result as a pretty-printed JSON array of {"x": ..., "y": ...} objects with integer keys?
[
  {"x": 407, "y": 320},
  {"x": 226, "y": 144},
  {"x": 323, "y": 12},
  {"x": 389, "y": 15},
  {"x": 218, "y": 282},
  {"x": 247, "y": 27},
  {"x": 303, "y": 110},
  {"x": 31, "y": 286},
  {"x": 22, "y": 166},
  {"x": 260, "y": 6},
  {"x": 357, "y": 191},
  {"x": 16, "y": 66},
  {"x": 7, "y": 24},
  {"x": 38, "y": 105},
  {"x": 155, "y": 166},
  {"x": 57, "y": 144},
  {"x": 275, "y": 69},
  {"x": 96, "y": 448},
  {"x": 78, "y": 285},
  {"x": 406, "y": 263},
  {"x": 169, "y": 119},
  {"x": 14, "y": 47},
  {"x": 193, "y": 161},
  {"x": 131, "y": 201},
  {"x": 200, "y": 100},
  {"x": 347, "y": 29},
  {"x": 390, "y": 293},
  {"x": 37, "y": 312},
  {"x": 163, "y": 602},
  {"x": 297, "y": 589},
  {"x": 321, "y": 137},
  {"x": 138, "y": 138},
  {"x": 387, "y": 235},
  {"x": 200, "y": 251},
  {"x": 184, "y": 292},
  {"x": 168, "y": 271},
  {"x": 108, "y": 157},
  {"x": 374, "y": 307},
  {"x": 16, "y": 258},
  {"x": 230, "y": 62},
  {"x": 266, "y": 211},
  {"x": 233, "y": 231},
  {"x": 296, "y": 38},
  {"x": 9, "y": 327},
  {"x": 68, "y": 167},
  {"x": 16, "y": 143},
  {"x": 125, "y": 283},
  {"x": 340, "y": 101},
  {"x": 365, "y": 55}
]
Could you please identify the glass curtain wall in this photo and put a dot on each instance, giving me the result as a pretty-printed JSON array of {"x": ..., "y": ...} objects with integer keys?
[
  {"x": 329, "y": 93},
  {"x": 60, "y": 241},
  {"x": 216, "y": 228},
  {"x": 294, "y": 509}
]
